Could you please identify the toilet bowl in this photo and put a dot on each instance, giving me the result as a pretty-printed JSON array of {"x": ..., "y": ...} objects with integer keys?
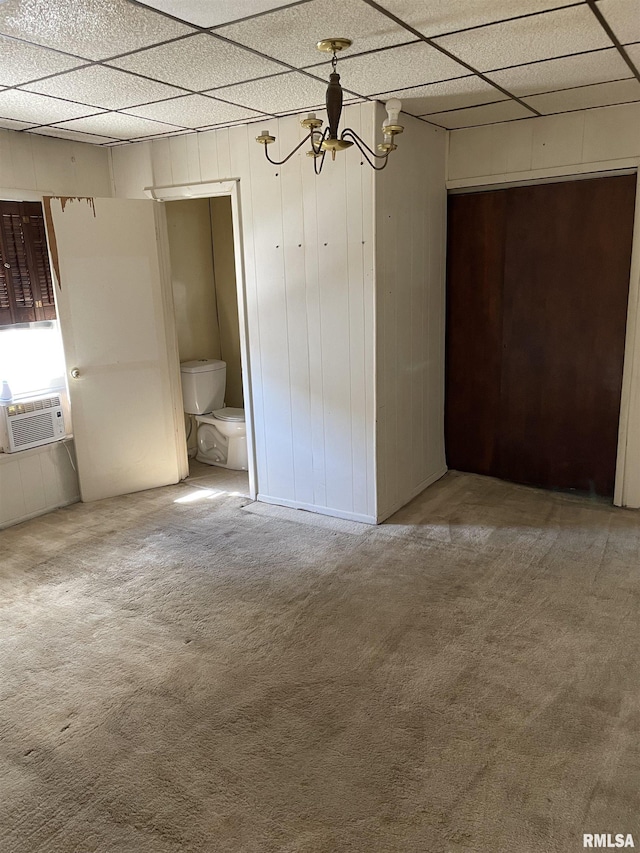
[
  {"x": 222, "y": 439},
  {"x": 221, "y": 431}
]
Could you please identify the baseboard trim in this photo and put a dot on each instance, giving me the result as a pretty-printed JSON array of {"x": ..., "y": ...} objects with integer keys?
[
  {"x": 429, "y": 481},
  {"x": 38, "y": 512},
  {"x": 321, "y": 510}
]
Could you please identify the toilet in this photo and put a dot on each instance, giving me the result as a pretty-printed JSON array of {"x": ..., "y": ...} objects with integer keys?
[{"x": 222, "y": 431}]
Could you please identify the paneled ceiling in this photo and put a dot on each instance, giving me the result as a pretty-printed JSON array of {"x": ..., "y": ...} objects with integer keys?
[{"x": 122, "y": 70}]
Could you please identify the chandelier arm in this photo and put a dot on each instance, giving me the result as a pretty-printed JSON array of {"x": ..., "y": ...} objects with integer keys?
[
  {"x": 317, "y": 169},
  {"x": 385, "y": 157},
  {"x": 360, "y": 142},
  {"x": 319, "y": 149},
  {"x": 290, "y": 155}
]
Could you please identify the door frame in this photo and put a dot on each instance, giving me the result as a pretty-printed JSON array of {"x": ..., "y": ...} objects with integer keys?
[
  {"x": 212, "y": 189},
  {"x": 627, "y": 479}
]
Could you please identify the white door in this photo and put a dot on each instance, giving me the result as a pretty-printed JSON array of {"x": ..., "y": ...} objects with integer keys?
[{"x": 116, "y": 316}]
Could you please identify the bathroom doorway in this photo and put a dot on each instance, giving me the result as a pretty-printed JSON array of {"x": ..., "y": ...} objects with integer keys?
[{"x": 208, "y": 311}]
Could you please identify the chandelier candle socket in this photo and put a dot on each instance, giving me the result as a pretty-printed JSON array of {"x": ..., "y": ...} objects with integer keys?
[
  {"x": 265, "y": 138},
  {"x": 330, "y": 139},
  {"x": 311, "y": 121}
]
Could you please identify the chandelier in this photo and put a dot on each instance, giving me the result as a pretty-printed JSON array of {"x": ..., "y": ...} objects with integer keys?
[{"x": 328, "y": 139}]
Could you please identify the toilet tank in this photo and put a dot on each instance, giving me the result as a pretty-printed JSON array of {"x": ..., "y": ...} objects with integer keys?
[{"x": 203, "y": 383}]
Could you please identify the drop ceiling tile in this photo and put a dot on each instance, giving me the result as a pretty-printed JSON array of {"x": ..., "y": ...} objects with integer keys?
[
  {"x": 118, "y": 126},
  {"x": 599, "y": 66},
  {"x": 21, "y": 62},
  {"x": 397, "y": 68},
  {"x": 284, "y": 93},
  {"x": 320, "y": 107},
  {"x": 544, "y": 36},
  {"x": 623, "y": 16},
  {"x": 104, "y": 87},
  {"x": 193, "y": 111},
  {"x": 60, "y": 133},
  {"x": 487, "y": 114},
  {"x": 258, "y": 124},
  {"x": 600, "y": 95},
  {"x": 11, "y": 124},
  {"x": 200, "y": 62},
  {"x": 433, "y": 17},
  {"x": 448, "y": 95},
  {"x": 155, "y": 136},
  {"x": 93, "y": 28},
  {"x": 212, "y": 13},
  {"x": 291, "y": 34},
  {"x": 38, "y": 109},
  {"x": 634, "y": 54}
]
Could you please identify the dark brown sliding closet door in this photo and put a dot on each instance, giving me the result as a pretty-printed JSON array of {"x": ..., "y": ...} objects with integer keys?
[
  {"x": 538, "y": 281},
  {"x": 474, "y": 330}
]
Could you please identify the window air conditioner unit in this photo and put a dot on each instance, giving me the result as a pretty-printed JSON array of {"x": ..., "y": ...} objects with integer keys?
[{"x": 30, "y": 423}]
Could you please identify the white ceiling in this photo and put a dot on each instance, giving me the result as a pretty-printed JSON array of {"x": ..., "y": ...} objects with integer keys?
[{"x": 123, "y": 70}]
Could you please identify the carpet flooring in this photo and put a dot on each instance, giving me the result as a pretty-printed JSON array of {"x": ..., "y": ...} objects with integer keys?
[{"x": 182, "y": 670}]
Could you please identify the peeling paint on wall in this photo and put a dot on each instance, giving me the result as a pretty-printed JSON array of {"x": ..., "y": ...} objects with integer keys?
[
  {"x": 51, "y": 234},
  {"x": 53, "y": 244},
  {"x": 65, "y": 199}
]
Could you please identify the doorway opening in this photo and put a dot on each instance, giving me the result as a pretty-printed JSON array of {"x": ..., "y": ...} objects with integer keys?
[
  {"x": 537, "y": 297},
  {"x": 208, "y": 324}
]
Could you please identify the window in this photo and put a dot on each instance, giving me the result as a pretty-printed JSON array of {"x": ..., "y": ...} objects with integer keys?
[
  {"x": 31, "y": 358},
  {"x": 26, "y": 287}
]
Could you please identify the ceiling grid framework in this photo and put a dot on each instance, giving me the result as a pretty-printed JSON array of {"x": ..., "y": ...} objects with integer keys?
[{"x": 117, "y": 72}]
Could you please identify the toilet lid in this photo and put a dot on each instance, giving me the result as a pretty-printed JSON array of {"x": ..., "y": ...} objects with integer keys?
[
  {"x": 202, "y": 365},
  {"x": 229, "y": 414}
]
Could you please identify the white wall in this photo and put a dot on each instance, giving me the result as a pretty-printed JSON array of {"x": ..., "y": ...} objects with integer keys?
[
  {"x": 596, "y": 140},
  {"x": 192, "y": 279},
  {"x": 35, "y": 481},
  {"x": 227, "y": 297},
  {"x": 537, "y": 146},
  {"x": 309, "y": 270},
  {"x": 411, "y": 208},
  {"x": 46, "y": 165}
]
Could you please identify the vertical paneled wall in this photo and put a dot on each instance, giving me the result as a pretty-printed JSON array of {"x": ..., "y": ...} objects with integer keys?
[
  {"x": 596, "y": 137},
  {"x": 36, "y": 481},
  {"x": 410, "y": 306},
  {"x": 59, "y": 166},
  {"x": 309, "y": 270}
]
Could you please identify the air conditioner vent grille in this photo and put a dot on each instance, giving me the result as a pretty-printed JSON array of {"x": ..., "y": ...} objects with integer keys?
[
  {"x": 31, "y": 423},
  {"x": 29, "y": 430}
]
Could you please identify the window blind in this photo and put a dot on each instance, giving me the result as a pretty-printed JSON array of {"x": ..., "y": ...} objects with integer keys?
[{"x": 26, "y": 286}]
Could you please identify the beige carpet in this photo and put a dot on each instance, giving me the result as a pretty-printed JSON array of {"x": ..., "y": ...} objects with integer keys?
[{"x": 209, "y": 676}]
